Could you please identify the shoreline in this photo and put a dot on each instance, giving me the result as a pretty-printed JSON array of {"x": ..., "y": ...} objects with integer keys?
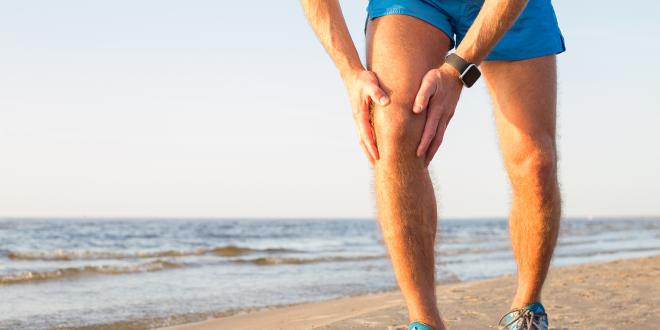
[{"x": 610, "y": 294}]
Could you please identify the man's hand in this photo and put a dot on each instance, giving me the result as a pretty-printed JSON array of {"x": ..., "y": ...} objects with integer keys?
[
  {"x": 363, "y": 88},
  {"x": 438, "y": 95}
]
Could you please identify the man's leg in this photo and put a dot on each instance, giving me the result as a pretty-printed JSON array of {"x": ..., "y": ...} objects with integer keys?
[
  {"x": 524, "y": 95},
  {"x": 400, "y": 50}
]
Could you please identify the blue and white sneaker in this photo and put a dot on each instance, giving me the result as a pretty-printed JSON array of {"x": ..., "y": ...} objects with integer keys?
[
  {"x": 530, "y": 317},
  {"x": 419, "y": 326}
]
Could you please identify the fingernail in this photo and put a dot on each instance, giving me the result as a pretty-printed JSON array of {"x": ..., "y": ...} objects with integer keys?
[
  {"x": 417, "y": 109},
  {"x": 383, "y": 100}
]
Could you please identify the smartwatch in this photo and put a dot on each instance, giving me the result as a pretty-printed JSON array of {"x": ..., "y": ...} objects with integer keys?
[{"x": 468, "y": 72}]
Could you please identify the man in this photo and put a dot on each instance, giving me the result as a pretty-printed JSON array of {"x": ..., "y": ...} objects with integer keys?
[{"x": 402, "y": 104}]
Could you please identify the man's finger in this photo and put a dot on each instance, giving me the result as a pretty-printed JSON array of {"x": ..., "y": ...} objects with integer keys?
[
  {"x": 430, "y": 130},
  {"x": 426, "y": 91},
  {"x": 435, "y": 144},
  {"x": 377, "y": 95},
  {"x": 368, "y": 141},
  {"x": 366, "y": 152},
  {"x": 365, "y": 130}
]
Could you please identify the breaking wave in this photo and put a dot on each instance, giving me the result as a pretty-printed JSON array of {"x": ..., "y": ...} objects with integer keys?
[
  {"x": 69, "y": 272},
  {"x": 67, "y": 255},
  {"x": 267, "y": 261}
]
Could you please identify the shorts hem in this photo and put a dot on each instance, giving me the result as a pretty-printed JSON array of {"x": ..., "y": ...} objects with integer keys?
[
  {"x": 523, "y": 57},
  {"x": 529, "y": 55}
]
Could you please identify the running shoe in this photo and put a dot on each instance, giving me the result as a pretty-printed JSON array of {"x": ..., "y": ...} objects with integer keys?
[
  {"x": 530, "y": 317},
  {"x": 419, "y": 326}
]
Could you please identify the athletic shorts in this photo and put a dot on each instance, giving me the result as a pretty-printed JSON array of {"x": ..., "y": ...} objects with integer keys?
[{"x": 535, "y": 33}]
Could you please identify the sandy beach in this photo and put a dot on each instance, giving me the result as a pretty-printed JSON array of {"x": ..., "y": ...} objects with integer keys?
[{"x": 612, "y": 295}]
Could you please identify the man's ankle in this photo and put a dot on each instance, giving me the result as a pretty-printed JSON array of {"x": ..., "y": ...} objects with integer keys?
[{"x": 520, "y": 303}]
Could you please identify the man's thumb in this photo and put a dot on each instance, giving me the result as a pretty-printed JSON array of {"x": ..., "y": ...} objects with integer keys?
[{"x": 379, "y": 96}]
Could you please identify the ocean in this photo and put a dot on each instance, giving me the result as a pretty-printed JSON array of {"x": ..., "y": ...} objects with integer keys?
[{"x": 146, "y": 273}]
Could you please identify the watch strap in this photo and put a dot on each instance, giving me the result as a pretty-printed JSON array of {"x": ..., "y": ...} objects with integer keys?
[
  {"x": 468, "y": 72},
  {"x": 457, "y": 62}
]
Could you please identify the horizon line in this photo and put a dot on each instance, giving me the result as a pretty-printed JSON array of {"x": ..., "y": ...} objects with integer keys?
[{"x": 302, "y": 218}]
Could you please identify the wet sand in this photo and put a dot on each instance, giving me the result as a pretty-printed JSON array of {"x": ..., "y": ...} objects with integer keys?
[{"x": 612, "y": 295}]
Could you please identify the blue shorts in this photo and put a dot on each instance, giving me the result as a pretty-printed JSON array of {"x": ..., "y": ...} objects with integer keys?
[{"x": 535, "y": 33}]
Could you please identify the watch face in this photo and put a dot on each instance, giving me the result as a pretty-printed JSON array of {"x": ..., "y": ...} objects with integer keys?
[{"x": 470, "y": 75}]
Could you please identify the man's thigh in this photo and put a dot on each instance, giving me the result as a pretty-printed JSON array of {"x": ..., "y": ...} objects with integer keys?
[
  {"x": 524, "y": 94},
  {"x": 401, "y": 49}
]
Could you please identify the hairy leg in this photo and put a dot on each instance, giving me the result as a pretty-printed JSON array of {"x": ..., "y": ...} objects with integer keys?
[
  {"x": 524, "y": 94},
  {"x": 400, "y": 50}
]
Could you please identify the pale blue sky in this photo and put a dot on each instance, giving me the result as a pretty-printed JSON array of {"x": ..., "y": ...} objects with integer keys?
[{"x": 210, "y": 108}]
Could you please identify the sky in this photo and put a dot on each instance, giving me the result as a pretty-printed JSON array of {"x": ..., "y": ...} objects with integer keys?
[{"x": 204, "y": 109}]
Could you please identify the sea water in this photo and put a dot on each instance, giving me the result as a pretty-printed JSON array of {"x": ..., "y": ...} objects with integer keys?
[{"x": 145, "y": 273}]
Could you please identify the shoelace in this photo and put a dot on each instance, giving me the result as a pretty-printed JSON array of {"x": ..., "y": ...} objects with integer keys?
[{"x": 525, "y": 319}]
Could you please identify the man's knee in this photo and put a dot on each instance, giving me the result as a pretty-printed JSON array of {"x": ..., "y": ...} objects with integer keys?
[
  {"x": 534, "y": 166},
  {"x": 398, "y": 130}
]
